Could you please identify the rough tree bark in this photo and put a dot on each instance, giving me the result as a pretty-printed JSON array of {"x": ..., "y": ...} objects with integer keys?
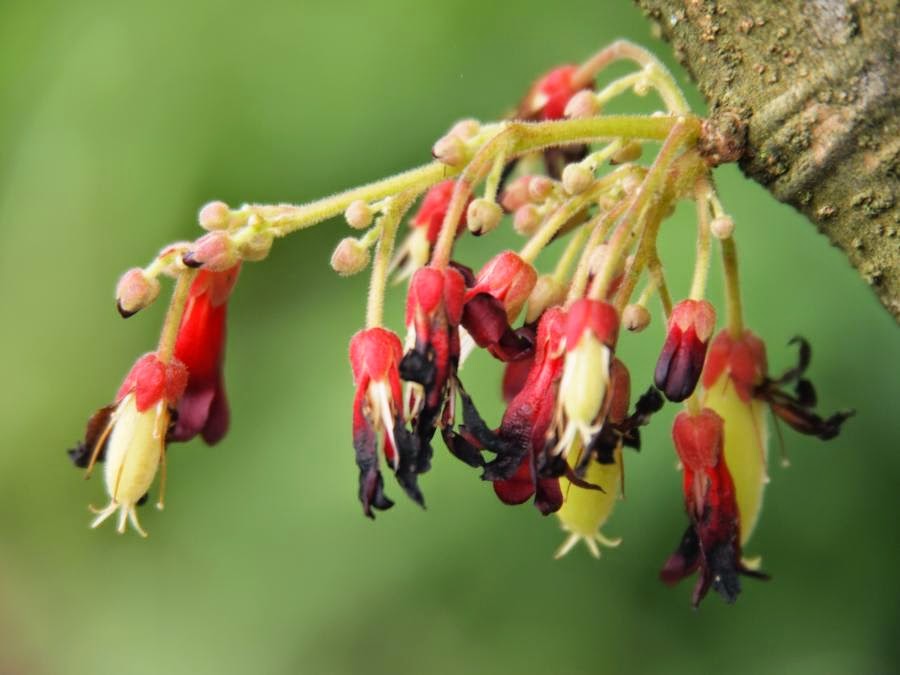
[{"x": 817, "y": 84}]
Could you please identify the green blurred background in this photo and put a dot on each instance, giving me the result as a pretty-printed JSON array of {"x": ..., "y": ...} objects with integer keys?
[{"x": 117, "y": 121}]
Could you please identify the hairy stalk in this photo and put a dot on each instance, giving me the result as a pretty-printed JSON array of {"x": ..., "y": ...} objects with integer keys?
[
  {"x": 701, "y": 265},
  {"x": 732, "y": 288},
  {"x": 172, "y": 322},
  {"x": 389, "y": 221}
]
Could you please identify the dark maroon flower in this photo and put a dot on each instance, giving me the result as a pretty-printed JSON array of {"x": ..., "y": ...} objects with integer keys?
[{"x": 681, "y": 360}]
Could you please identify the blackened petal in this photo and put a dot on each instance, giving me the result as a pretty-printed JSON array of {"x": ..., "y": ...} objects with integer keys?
[
  {"x": 548, "y": 496},
  {"x": 408, "y": 470},
  {"x": 684, "y": 561},
  {"x": 722, "y": 568},
  {"x": 683, "y": 368},
  {"x": 461, "y": 447},
  {"x": 484, "y": 317},
  {"x": 418, "y": 366},
  {"x": 96, "y": 427}
]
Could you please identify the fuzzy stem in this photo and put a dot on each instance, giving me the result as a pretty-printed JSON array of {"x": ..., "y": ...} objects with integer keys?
[
  {"x": 623, "y": 49},
  {"x": 655, "y": 268},
  {"x": 388, "y": 223},
  {"x": 732, "y": 288},
  {"x": 600, "y": 226},
  {"x": 633, "y": 219},
  {"x": 573, "y": 248},
  {"x": 701, "y": 263},
  {"x": 172, "y": 322}
]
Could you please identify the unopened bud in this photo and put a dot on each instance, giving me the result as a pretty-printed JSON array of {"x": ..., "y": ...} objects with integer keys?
[
  {"x": 482, "y": 216},
  {"x": 547, "y": 292},
  {"x": 722, "y": 227},
  {"x": 583, "y": 104},
  {"x": 516, "y": 193},
  {"x": 257, "y": 247},
  {"x": 635, "y": 318},
  {"x": 629, "y": 152},
  {"x": 214, "y": 251},
  {"x": 540, "y": 188},
  {"x": 214, "y": 216},
  {"x": 349, "y": 257},
  {"x": 449, "y": 150},
  {"x": 135, "y": 291},
  {"x": 527, "y": 219},
  {"x": 465, "y": 129},
  {"x": 576, "y": 178},
  {"x": 359, "y": 215}
]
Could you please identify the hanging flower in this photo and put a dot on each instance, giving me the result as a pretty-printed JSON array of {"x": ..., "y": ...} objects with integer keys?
[
  {"x": 592, "y": 328},
  {"x": 375, "y": 355},
  {"x": 433, "y": 312},
  {"x": 201, "y": 347},
  {"x": 521, "y": 438},
  {"x": 712, "y": 542},
  {"x": 584, "y": 510},
  {"x": 495, "y": 299},
  {"x": 130, "y": 437},
  {"x": 681, "y": 360}
]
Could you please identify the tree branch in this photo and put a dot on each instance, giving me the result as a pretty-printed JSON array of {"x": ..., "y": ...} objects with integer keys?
[{"x": 817, "y": 83}]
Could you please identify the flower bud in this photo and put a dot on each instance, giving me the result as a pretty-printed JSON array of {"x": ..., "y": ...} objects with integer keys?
[
  {"x": 540, "y": 188},
  {"x": 482, "y": 216},
  {"x": 681, "y": 360},
  {"x": 449, "y": 150},
  {"x": 635, "y": 318},
  {"x": 722, "y": 227},
  {"x": 257, "y": 247},
  {"x": 516, "y": 194},
  {"x": 214, "y": 251},
  {"x": 547, "y": 292},
  {"x": 135, "y": 291},
  {"x": 698, "y": 439},
  {"x": 583, "y": 104},
  {"x": 629, "y": 152},
  {"x": 359, "y": 215},
  {"x": 465, "y": 129},
  {"x": 214, "y": 216},
  {"x": 527, "y": 219},
  {"x": 507, "y": 278},
  {"x": 350, "y": 257},
  {"x": 576, "y": 178}
]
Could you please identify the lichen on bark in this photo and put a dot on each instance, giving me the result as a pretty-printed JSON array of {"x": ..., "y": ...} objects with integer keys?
[{"x": 818, "y": 84}]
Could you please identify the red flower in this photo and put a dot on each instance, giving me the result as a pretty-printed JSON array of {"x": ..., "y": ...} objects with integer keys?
[
  {"x": 497, "y": 297},
  {"x": 743, "y": 359},
  {"x": 681, "y": 360},
  {"x": 712, "y": 541},
  {"x": 130, "y": 437},
  {"x": 520, "y": 441},
  {"x": 201, "y": 347},
  {"x": 549, "y": 95},
  {"x": 433, "y": 312},
  {"x": 375, "y": 356}
]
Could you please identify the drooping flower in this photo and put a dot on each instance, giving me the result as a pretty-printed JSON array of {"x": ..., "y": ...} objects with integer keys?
[
  {"x": 520, "y": 440},
  {"x": 375, "y": 355},
  {"x": 585, "y": 511},
  {"x": 201, "y": 347},
  {"x": 433, "y": 312},
  {"x": 738, "y": 387},
  {"x": 712, "y": 542},
  {"x": 492, "y": 303},
  {"x": 681, "y": 360},
  {"x": 592, "y": 328},
  {"x": 130, "y": 437}
]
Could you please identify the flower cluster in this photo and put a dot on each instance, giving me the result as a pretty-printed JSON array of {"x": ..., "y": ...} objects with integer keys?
[{"x": 564, "y": 172}]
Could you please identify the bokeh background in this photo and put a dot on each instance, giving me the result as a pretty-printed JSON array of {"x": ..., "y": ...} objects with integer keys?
[{"x": 118, "y": 120}]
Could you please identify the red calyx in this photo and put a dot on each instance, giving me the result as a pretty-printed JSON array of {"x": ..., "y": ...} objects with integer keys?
[
  {"x": 151, "y": 381},
  {"x": 596, "y": 316},
  {"x": 743, "y": 359}
]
